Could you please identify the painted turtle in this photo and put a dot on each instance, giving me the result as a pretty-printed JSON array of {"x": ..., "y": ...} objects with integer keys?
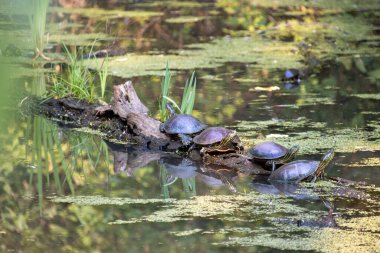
[
  {"x": 217, "y": 137},
  {"x": 272, "y": 153},
  {"x": 183, "y": 125},
  {"x": 302, "y": 169}
]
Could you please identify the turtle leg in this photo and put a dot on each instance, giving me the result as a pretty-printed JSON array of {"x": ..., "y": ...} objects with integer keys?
[
  {"x": 271, "y": 163},
  {"x": 185, "y": 139}
]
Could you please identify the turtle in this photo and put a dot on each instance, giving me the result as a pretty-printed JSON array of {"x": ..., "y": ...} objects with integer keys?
[
  {"x": 217, "y": 137},
  {"x": 272, "y": 153},
  {"x": 299, "y": 170},
  {"x": 292, "y": 75},
  {"x": 183, "y": 125}
]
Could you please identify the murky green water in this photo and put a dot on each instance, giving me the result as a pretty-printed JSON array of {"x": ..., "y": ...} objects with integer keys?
[{"x": 65, "y": 190}]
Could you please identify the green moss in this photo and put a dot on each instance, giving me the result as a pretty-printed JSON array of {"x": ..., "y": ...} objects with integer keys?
[{"x": 89, "y": 131}]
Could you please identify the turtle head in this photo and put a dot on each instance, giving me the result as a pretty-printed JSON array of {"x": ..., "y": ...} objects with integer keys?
[
  {"x": 328, "y": 156},
  {"x": 170, "y": 108},
  {"x": 293, "y": 150},
  {"x": 326, "y": 159},
  {"x": 291, "y": 153}
]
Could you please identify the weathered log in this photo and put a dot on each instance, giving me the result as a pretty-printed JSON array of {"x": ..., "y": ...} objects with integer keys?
[{"x": 125, "y": 101}]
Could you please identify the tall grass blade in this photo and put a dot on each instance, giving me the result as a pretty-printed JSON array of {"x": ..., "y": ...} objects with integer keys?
[
  {"x": 57, "y": 180},
  {"x": 188, "y": 97},
  {"x": 164, "y": 187},
  {"x": 189, "y": 187},
  {"x": 165, "y": 87},
  {"x": 37, "y": 21},
  {"x": 103, "y": 74}
]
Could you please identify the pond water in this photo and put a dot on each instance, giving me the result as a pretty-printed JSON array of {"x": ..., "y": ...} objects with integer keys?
[{"x": 69, "y": 190}]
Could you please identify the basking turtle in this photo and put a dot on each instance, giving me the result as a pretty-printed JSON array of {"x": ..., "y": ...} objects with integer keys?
[
  {"x": 302, "y": 169},
  {"x": 272, "y": 153},
  {"x": 217, "y": 137},
  {"x": 183, "y": 125}
]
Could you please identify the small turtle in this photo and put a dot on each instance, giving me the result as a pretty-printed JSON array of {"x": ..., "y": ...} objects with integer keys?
[
  {"x": 292, "y": 75},
  {"x": 183, "y": 125},
  {"x": 217, "y": 137},
  {"x": 272, "y": 153},
  {"x": 302, "y": 169}
]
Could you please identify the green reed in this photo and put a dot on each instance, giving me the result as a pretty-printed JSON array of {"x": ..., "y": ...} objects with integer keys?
[
  {"x": 78, "y": 81},
  {"x": 165, "y": 87},
  {"x": 37, "y": 21},
  {"x": 188, "y": 96},
  {"x": 103, "y": 74}
]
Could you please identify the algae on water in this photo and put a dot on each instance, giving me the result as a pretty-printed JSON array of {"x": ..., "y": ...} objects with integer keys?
[
  {"x": 100, "y": 200},
  {"x": 265, "y": 53}
]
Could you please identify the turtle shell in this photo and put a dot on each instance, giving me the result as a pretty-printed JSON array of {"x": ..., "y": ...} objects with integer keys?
[
  {"x": 212, "y": 135},
  {"x": 291, "y": 74},
  {"x": 182, "y": 124},
  {"x": 294, "y": 171},
  {"x": 268, "y": 151}
]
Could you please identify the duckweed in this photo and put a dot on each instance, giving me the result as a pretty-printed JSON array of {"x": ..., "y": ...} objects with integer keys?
[
  {"x": 100, "y": 200},
  {"x": 265, "y": 53}
]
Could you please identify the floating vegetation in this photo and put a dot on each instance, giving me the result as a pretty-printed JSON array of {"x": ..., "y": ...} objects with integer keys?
[
  {"x": 80, "y": 39},
  {"x": 100, "y": 200},
  {"x": 220, "y": 207},
  {"x": 265, "y": 53},
  {"x": 103, "y": 14},
  {"x": 185, "y": 233},
  {"x": 343, "y": 140},
  {"x": 321, "y": 240},
  {"x": 375, "y": 96},
  {"x": 184, "y": 19},
  {"x": 311, "y": 141},
  {"x": 307, "y": 101},
  {"x": 367, "y": 162},
  {"x": 174, "y": 4}
]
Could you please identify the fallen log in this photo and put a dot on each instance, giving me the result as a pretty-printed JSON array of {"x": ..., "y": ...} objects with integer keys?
[{"x": 127, "y": 119}]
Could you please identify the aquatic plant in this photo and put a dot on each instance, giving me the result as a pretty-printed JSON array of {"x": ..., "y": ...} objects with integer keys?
[
  {"x": 37, "y": 21},
  {"x": 103, "y": 74},
  {"x": 188, "y": 96},
  {"x": 165, "y": 85},
  {"x": 78, "y": 81}
]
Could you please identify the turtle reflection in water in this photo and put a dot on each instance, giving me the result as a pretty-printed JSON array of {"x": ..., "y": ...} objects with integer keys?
[
  {"x": 183, "y": 125},
  {"x": 216, "y": 138},
  {"x": 272, "y": 153},
  {"x": 178, "y": 167},
  {"x": 217, "y": 175},
  {"x": 302, "y": 169}
]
